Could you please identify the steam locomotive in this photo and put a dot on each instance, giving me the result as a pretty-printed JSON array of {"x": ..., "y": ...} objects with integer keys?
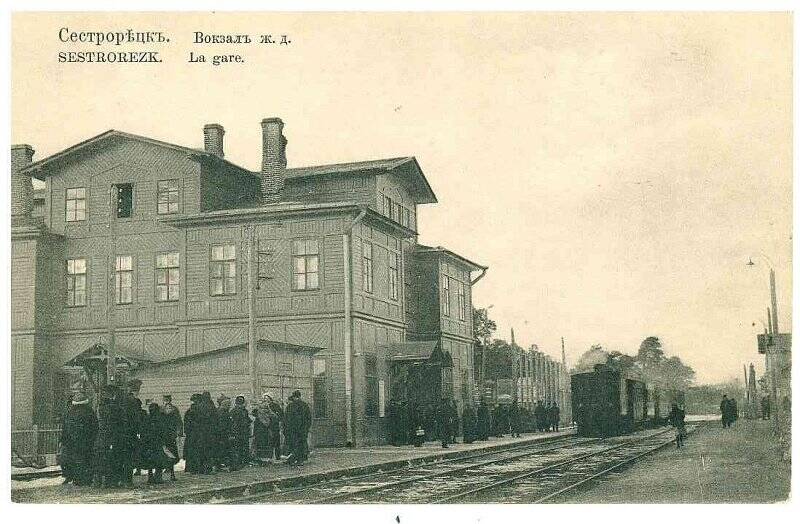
[{"x": 607, "y": 402}]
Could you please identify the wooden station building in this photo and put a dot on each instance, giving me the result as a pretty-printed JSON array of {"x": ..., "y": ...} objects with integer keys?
[{"x": 173, "y": 262}]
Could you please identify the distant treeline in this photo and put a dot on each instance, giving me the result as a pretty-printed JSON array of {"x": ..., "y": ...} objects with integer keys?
[
  {"x": 702, "y": 400},
  {"x": 649, "y": 364}
]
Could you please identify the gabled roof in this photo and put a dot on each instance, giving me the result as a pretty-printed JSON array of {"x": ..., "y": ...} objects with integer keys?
[
  {"x": 419, "y": 248},
  {"x": 35, "y": 168},
  {"x": 97, "y": 354},
  {"x": 406, "y": 165}
]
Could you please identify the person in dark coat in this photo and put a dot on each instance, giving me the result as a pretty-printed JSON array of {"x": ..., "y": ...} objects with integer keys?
[
  {"x": 454, "y": 420},
  {"x": 443, "y": 422},
  {"x": 78, "y": 434},
  {"x": 403, "y": 423},
  {"x": 556, "y": 417},
  {"x": 223, "y": 433},
  {"x": 174, "y": 424},
  {"x": 198, "y": 426},
  {"x": 392, "y": 422},
  {"x": 468, "y": 421},
  {"x": 298, "y": 424},
  {"x": 132, "y": 421},
  {"x": 484, "y": 421},
  {"x": 155, "y": 434},
  {"x": 108, "y": 446},
  {"x": 725, "y": 409},
  {"x": 241, "y": 425},
  {"x": 416, "y": 425},
  {"x": 677, "y": 418},
  {"x": 539, "y": 416},
  {"x": 275, "y": 428},
  {"x": 514, "y": 419},
  {"x": 500, "y": 421}
]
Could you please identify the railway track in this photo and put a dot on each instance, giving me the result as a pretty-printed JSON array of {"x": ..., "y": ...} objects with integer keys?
[
  {"x": 540, "y": 474},
  {"x": 554, "y": 482},
  {"x": 328, "y": 491}
]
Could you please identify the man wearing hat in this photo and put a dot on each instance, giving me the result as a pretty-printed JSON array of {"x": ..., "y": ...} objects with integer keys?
[
  {"x": 298, "y": 424},
  {"x": 131, "y": 408},
  {"x": 194, "y": 447},
  {"x": 109, "y": 442},
  {"x": 240, "y": 423}
]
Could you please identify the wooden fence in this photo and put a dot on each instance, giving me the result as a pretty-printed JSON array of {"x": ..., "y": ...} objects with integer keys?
[{"x": 35, "y": 446}]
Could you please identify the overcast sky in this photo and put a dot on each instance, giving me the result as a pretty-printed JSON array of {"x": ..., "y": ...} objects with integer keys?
[{"x": 615, "y": 172}]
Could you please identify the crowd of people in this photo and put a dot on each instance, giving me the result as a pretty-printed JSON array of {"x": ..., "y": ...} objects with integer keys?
[
  {"x": 125, "y": 436},
  {"x": 729, "y": 410},
  {"x": 410, "y": 423}
]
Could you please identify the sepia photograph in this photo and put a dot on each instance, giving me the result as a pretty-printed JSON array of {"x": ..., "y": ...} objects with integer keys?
[{"x": 389, "y": 258}]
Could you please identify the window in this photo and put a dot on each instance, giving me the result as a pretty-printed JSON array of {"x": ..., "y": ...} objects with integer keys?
[
  {"x": 393, "y": 259},
  {"x": 446, "y": 296},
  {"x": 167, "y": 197},
  {"x": 168, "y": 277},
  {"x": 76, "y": 282},
  {"x": 124, "y": 194},
  {"x": 319, "y": 388},
  {"x": 405, "y": 218},
  {"x": 371, "y": 376},
  {"x": 305, "y": 264},
  {"x": 223, "y": 270},
  {"x": 398, "y": 212},
  {"x": 462, "y": 302},
  {"x": 123, "y": 279},
  {"x": 366, "y": 266},
  {"x": 387, "y": 205},
  {"x": 76, "y": 204}
]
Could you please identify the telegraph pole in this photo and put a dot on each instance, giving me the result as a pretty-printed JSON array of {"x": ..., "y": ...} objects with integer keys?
[{"x": 251, "y": 312}]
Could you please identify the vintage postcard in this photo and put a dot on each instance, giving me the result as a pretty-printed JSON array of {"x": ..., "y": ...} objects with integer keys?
[{"x": 400, "y": 258}]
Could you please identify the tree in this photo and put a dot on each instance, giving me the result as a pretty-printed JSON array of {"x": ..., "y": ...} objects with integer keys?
[
  {"x": 622, "y": 362},
  {"x": 650, "y": 351},
  {"x": 593, "y": 356},
  {"x": 483, "y": 328},
  {"x": 500, "y": 358},
  {"x": 674, "y": 374}
]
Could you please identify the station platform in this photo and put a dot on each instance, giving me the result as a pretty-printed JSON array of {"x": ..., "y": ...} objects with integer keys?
[
  {"x": 740, "y": 464},
  {"x": 323, "y": 463}
]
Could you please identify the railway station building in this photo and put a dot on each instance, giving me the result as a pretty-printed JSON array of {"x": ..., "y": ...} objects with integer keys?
[{"x": 172, "y": 262}]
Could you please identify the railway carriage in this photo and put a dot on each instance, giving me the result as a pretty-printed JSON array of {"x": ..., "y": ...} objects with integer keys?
[{"x": 606, "y": 402}]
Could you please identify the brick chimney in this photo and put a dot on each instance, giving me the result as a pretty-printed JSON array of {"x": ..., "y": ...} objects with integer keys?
[
  {"x": 273, "y": 161},
  {"x": 212, "y": 139},
  {"x": 21, "y": 185}
]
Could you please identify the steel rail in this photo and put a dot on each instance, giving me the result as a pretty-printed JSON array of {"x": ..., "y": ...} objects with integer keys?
[
  {"x": 329, "y": 498},
  {"x": 544, "y": 469},
  {"x": 606, "y": 471}
]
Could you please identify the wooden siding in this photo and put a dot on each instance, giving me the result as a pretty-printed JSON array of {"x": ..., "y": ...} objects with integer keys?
[{"x": 359, "y": 188}]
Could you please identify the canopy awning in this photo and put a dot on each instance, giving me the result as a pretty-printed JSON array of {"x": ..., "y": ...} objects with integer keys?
[
  {"x": 96, "y": 356},
  {"x": 429, "y": 351}
]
